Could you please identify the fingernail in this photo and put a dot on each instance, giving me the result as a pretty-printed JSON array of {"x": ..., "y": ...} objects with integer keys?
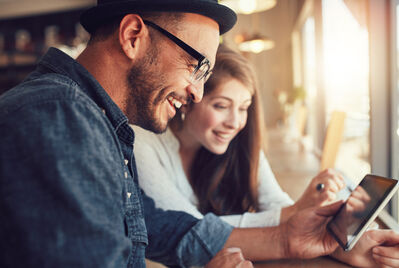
[
  {"x": 232, "y": 250},
  {"x": 376, "y": 250}
]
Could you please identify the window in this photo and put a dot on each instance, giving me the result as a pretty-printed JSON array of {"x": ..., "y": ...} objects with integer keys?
[{"x": 346, "y": 80}]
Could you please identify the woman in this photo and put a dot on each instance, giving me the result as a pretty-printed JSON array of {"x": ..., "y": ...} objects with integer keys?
[{"x": 211, "y": 158}]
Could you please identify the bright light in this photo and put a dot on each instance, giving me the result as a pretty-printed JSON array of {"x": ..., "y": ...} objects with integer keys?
[
  {"x": 256, "y": 46},
  {"x": 249, "y": 6},
  {"x": 346, "y": 60},
  {"x": 397, "y": 132}
]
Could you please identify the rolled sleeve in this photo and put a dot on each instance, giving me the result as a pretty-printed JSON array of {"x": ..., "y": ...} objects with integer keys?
[
  {"x": 178, "y": 239},
  {"x": 204, "y": 240}
]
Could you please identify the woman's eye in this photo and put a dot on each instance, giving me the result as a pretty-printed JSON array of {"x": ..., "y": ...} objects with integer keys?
[{"x": 220, "y": 106}]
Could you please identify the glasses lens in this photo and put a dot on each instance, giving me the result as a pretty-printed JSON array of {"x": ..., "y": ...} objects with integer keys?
[
  {"x": 201, "y": 71},
  {"x": 207, "y": 75}
]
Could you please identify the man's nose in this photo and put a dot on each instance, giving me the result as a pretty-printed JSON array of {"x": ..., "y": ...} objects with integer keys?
[{"x": 196, "y": 91}]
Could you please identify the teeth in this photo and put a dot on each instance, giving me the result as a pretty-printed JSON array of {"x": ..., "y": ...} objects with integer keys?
[
  {"x": 224, "y": 136},
  {"x": 175, "y": 102}
]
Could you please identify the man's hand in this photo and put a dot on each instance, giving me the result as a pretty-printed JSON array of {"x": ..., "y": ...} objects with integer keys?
[
  {"x": 376, "y": 248},
  {"x": 229, "y": 258},
  {"x": 306, "y": 233}
]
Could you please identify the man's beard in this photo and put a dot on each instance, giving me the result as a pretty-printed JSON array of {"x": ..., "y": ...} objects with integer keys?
[{"x": 145, "y": 83}]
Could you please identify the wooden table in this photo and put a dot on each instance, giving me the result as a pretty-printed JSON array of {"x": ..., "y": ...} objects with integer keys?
[{"x": 325, "y": 262}]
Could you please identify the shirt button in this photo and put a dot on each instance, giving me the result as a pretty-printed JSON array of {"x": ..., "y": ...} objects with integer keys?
[
  {"x": 103, "y": 110},
  {"x": 128, "y": 195},
  {"x": 126, "y": 162},
  {"x": 125, "y": 174}
]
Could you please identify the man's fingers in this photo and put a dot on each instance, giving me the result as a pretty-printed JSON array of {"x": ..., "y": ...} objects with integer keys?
[
  {"x": 329, "y": 210},
  {"x": 229, "y": 258},
  {"x": 245, "y": 264},
  {"x": 231, "y": 251}
]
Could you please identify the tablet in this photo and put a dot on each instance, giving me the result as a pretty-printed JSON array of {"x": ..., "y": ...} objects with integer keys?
[{"x": 360, "y": 209}]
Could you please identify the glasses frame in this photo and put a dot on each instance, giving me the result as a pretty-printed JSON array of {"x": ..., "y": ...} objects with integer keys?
[{"x": 202, "y": 60}]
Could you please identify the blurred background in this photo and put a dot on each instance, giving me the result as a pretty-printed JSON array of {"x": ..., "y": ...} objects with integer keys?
[{"x": 327, "y": 70}]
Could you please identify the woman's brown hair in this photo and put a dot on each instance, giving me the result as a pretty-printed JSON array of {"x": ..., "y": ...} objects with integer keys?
[{"x": 227, "y": 184}]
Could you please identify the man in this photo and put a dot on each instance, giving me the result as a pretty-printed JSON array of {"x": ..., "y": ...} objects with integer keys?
[{"x": 69, "y": 195}]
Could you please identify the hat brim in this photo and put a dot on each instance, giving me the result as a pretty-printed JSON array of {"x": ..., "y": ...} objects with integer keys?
[{"x": 224, "y": 16}]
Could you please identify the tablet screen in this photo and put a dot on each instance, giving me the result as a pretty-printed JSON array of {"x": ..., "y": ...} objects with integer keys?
[{"x": 360, "y": 206}]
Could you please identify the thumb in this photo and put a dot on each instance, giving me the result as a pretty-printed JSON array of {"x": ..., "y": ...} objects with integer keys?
[{"x": 330, "y": 210}]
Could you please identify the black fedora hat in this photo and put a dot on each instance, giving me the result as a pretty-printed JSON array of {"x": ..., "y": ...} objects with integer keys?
[{"x": 107, "y": 9}]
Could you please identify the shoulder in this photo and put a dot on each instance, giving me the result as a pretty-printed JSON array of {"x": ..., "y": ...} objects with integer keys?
[
  {"x": 265, "y": 173},
  {"x": 38, "y": 91},
  {"x": 51, "y": 109},
  {"x": 263, "y": 162}
]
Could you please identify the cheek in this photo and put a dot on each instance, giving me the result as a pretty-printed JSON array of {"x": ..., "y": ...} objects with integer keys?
[
  {"x": 243, "y": 122},
  {"x": 210, "y": 119},
  {"x": 203, "y": 120}
]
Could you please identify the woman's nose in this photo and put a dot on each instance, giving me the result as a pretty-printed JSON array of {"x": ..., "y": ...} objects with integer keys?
[{"x": 233, "y": 120}]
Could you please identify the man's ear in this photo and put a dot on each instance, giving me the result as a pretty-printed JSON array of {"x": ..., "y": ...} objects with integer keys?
[{"x": 132, "y": 34}]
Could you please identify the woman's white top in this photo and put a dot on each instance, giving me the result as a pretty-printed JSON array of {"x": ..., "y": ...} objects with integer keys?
[{"x": 162, "y": 177}]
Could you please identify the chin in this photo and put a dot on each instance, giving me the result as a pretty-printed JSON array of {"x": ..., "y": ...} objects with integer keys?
[
  {"x": 218, "y": 150},
  {"x": 159, "y": 128},
  {"x": 154, "y": 126}
]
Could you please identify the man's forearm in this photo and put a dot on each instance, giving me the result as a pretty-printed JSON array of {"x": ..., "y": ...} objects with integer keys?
[
  {"x": 259, "y": 243},
  {"x": 303, "y": 236}
]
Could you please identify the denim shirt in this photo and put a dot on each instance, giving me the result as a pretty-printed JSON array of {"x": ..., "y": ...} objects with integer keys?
[{"x": 69, "y": 194}]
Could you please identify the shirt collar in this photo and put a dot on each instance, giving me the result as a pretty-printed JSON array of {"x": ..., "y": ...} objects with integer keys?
[{"x": 57, "y": 61}]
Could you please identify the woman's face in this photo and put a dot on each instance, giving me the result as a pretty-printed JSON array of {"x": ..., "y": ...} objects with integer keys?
[{"x": 218, "y": 118}]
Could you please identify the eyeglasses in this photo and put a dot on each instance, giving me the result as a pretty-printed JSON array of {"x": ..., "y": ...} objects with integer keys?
[{"x": 202, "y": 69}]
